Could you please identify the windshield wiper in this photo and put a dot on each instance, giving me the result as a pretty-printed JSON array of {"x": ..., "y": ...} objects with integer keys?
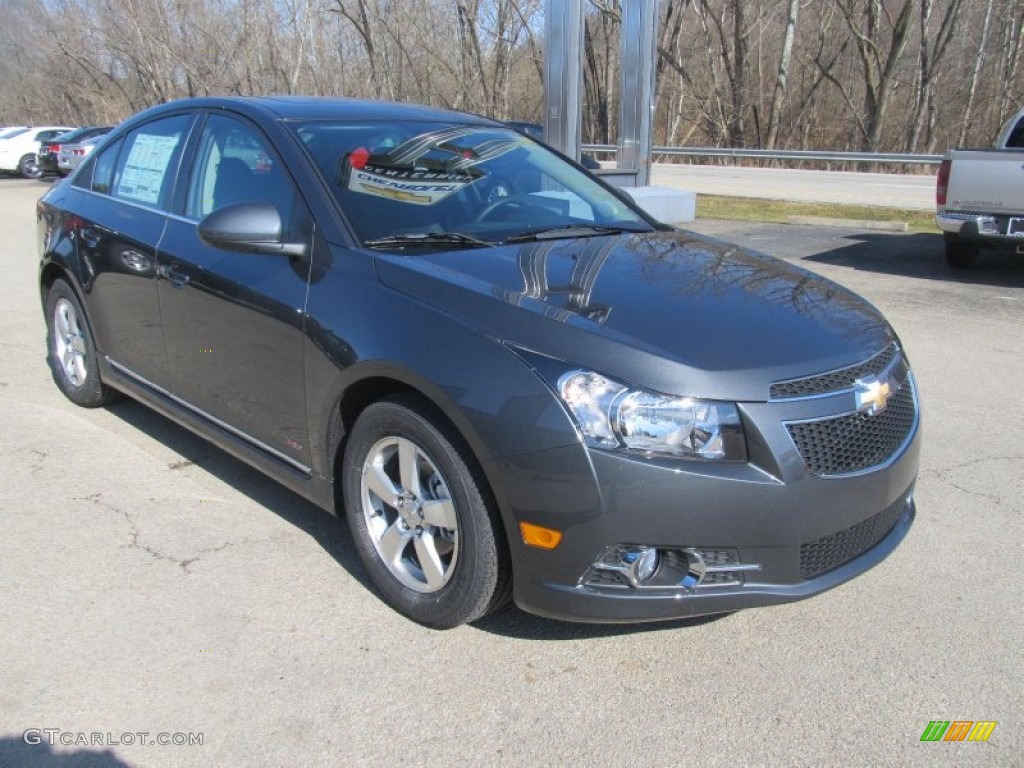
[
  {"x": 429, "y": 239},
  {"x": 569, "y": 230}
]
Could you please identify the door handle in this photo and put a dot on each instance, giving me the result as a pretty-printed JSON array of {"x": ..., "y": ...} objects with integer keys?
[{"x": 175, "y": 277}]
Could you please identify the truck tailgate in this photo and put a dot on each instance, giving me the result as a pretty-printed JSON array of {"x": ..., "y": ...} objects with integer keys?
[{"x": 986, "y": 181}]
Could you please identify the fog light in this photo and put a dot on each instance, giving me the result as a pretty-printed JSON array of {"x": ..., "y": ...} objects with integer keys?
[{"x": 642, "y": 562}]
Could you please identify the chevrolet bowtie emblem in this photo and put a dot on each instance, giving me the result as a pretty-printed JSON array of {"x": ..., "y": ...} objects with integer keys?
[{"x": 872, "y": 395}]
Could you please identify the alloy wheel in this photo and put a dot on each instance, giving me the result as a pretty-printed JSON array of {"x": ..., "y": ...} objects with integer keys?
[
  {"x": 69, "y": 343},
  {"x": 410, "y": 515}
]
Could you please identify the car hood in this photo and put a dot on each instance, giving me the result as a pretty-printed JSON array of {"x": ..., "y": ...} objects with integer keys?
[{"x": 671, "y": 311}]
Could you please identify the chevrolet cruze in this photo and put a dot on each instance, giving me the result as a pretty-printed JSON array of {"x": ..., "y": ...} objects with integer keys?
[{"x": 542, "y": 395}]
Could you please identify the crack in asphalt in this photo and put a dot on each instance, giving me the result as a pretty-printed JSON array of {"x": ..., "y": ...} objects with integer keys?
[
  {"x": 135, "y": 543},
  {"x": 37, "y": 465},
  {"x": 942, "y": 475}
]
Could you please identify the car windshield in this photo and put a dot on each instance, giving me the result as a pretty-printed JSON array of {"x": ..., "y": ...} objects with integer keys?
[
  {"x": 10, "y": 133},
  {"x": 434, "y": 185}
]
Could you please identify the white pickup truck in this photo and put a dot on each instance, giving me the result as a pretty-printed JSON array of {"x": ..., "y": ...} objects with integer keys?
[{"x": 980, "y": 197}]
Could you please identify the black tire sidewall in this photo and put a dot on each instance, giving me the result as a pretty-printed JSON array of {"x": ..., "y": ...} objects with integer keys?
[
  {"x": 470, "y": 590},
  {"x": 91, "y": 393},
  {"x": 26, "y": 161}
]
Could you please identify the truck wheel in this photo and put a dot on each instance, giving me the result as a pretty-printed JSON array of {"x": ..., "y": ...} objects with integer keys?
[{"x": 960, "y": 255}]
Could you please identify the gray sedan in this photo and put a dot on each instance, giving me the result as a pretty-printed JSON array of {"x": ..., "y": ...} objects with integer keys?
[{"x": 71, "y": 155}]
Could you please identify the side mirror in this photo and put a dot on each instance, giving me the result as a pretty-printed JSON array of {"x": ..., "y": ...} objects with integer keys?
[{"x": 248, "y": 227}]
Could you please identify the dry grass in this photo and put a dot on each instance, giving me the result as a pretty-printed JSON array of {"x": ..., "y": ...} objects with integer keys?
[{"x": 777, "y": 211}]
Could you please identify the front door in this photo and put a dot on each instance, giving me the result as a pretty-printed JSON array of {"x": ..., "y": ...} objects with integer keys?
[{"x": 233, "y": 322}]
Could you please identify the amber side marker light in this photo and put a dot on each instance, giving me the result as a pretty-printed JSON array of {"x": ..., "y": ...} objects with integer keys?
[{"x": 540, "y": 537}]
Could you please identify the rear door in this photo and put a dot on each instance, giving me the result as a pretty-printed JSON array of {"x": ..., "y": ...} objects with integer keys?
[
  {"x": 121, "y": 216},
  {"x": 233, "y": 322}
]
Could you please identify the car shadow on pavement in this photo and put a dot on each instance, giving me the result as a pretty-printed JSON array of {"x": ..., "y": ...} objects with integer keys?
[
  {"x": 514, "y": 623},
  {"x": 332, "y": 534},
  {"x": 921, "y": 255},
  {"x": 14, "y": 751}
]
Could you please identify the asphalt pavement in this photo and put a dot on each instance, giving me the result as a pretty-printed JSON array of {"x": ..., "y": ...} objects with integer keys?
[{"x": 152, "y": 584}]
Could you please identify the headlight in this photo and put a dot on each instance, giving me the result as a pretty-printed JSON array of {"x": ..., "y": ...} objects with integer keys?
[{"x": 612, "y": 416}]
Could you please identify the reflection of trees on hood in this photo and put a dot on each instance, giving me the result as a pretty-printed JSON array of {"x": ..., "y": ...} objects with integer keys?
[
  {"x": 587, "y": 265},
  {"x": 688, "y": 266}
]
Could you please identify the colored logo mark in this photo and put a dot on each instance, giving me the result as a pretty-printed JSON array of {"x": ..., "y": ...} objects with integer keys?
[{"x": 958, "y": 730}]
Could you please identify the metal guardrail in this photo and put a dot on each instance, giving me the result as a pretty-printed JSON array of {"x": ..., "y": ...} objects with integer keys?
[{"x": 784, "y": 154}]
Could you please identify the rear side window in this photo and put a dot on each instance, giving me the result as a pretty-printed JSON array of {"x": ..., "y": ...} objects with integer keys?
[
  {"x": 148, "y": 162},
  {"x": 103, "y": 170}
]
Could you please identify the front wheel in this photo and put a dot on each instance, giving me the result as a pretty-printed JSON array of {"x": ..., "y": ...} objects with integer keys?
[
  {"x": 961, "y": 255},
  {"x": 29, "y": 167},
  {"x": 422, "y": 518}
]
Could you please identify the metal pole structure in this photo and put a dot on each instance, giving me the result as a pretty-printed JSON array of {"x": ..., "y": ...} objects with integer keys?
[
  {"x": 563, "y": 75},
  {"x": 636, "y": 107}
]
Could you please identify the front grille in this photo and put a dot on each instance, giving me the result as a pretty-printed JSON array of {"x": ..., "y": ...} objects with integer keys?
[
  {"x": 834, "y": 381},
  {"x": 828, "y": 552},
  {"x": 857, "y": 441}
]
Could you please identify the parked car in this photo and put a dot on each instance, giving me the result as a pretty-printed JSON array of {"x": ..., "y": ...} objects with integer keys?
[
  {"x": 72, "y": 155},
  {"x": 549, "y": 397},
  {"x": 980, "y": 199},
  {"x": 12, "y": 130},
  {"x": 49, "y": 151},
  {"x": 19, "y": 153}
]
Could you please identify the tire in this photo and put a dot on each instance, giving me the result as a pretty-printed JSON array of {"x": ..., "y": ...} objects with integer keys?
[
  {"x": 961, "y": 255},
  {"x": 29, "y": 167},
  {"x": 71, "y": 351},
  {"x": 435, "y": 550}
]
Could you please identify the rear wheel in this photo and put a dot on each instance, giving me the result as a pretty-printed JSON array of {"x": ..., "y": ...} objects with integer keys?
[
  {"x": 72, "y": 354},
  {"x": 422, "y": 518},
  {"x": 961, "y": 255},
  {"x": 29, "y": 167}
]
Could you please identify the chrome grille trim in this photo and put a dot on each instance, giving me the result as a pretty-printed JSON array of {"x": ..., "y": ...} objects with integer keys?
[
  {"x": 820, "y": 441},
  {"x": 839, "y": 380}
]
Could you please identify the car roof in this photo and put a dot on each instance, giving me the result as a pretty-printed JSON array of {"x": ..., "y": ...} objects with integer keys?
[{"x": 326, "y": 108}]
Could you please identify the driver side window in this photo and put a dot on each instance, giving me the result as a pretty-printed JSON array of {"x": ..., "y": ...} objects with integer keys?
[{"x": 234, "y": 164}]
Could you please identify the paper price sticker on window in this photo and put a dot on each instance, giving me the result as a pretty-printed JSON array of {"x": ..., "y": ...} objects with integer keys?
[
  {"x": 416, "y": 187},
  {"x": 144, "y": 171}
]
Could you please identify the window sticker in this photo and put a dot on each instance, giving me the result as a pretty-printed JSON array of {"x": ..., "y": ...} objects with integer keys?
[
  {"x": 424, "y": 170},
  {"x": 407, "y": 185},
  {"x": 145, "y": 168}
]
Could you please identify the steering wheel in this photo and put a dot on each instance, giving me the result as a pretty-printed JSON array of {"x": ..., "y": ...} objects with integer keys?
[{"x": 512, "y": 202}]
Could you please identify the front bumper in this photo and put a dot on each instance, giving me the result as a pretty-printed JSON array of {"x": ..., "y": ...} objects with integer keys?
[{"x": 771, "y": 515}]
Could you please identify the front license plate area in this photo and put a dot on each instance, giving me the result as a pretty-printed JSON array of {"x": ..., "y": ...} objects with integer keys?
[{"x": 1015, "y": 228}]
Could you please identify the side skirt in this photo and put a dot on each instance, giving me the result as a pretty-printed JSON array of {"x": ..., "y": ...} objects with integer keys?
[{"x": 285, "y": 470}]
